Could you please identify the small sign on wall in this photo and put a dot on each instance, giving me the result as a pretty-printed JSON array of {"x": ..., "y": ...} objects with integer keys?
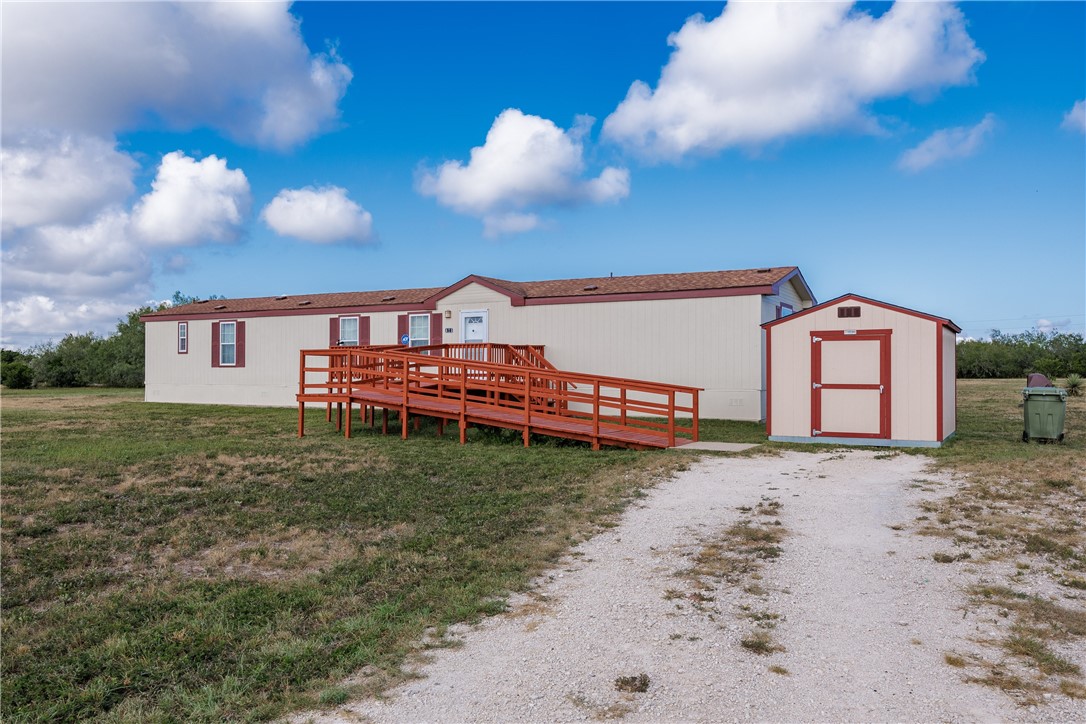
[
  {"x": 448, "y": 330},
  {"x": 404, "y": 339}
]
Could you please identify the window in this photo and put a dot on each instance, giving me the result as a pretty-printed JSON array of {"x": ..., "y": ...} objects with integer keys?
[
  {"x": 348, "y": 331},
  {"x": 419, "y": 330},
  {"x": 228, "y": 344},
  {"x": 784, "y": 309},
  {"x": 182, "y": 338},
  {"x": 848, "y": 311}
]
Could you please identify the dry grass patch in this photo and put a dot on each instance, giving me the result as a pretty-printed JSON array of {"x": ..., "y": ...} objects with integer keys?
[{"x": 1020, "y": 503}]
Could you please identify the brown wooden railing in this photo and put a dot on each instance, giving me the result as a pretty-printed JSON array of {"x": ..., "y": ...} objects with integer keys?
[{"x": 518, "y": 393}]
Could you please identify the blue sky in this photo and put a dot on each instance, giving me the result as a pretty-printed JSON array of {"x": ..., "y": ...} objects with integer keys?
[{"x": 931, "y": 156}]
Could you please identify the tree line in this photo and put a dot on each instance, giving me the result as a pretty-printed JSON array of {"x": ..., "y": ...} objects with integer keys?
[
  {"x": 82, "y": 360},
  {"x": 1053, "y": 354}
]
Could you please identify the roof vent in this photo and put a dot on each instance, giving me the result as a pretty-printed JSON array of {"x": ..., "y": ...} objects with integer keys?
[
  {"x": 764, "y": 271},
  {"x": 281, "y": 297},
  {"x": 220, "y": 306},
  {"x": 388, "y": 299},
  {"x": 201, "y": 301},
  {"x": 302, "y": 304},
  {"x": 591, "y": 288}
]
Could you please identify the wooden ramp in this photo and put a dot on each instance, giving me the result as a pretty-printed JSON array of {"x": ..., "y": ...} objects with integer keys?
[{"x": 508, "y": 386}]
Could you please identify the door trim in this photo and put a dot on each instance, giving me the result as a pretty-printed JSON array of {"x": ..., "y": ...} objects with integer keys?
[
  {"x": 882, "y": 336},
  {"x": 472, "y": 313}
]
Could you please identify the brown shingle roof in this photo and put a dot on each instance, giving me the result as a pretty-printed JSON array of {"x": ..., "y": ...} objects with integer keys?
[
  {"x": 224, "y": 307},
  {"x": 645, "y": 283},
  {"x": 587, "y": 287}
]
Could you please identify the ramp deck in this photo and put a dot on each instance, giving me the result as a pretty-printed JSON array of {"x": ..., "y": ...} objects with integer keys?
[{"x": 508, "y": 386}]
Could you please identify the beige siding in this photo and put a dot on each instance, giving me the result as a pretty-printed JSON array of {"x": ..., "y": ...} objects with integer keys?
[
  {"x": 950, "y": 381},
  {"x": 915, "y": 401},
  {"x": 270, "y": 375},
  {"x": 714, "y": 343}
]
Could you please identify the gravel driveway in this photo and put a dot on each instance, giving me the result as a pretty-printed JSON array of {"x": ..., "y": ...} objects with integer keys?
[{"x": 857, "y": 614}]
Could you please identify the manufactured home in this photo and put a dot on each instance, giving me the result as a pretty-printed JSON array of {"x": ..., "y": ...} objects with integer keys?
[
  {"x": 855, "y": 370},
  {"x": 700, "y": 329}
]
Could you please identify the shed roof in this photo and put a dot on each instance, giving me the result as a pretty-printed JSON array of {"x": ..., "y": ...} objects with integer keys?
[
  {"x": 553, "y": 291},
  {"x": 858, "y": 298}
]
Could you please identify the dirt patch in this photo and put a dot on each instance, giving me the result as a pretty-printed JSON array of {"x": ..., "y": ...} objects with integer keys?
[{"x": 277, "y": 555}]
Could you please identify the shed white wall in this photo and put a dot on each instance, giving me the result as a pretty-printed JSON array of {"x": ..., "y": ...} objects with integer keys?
[{"x": 915, "y": 400}]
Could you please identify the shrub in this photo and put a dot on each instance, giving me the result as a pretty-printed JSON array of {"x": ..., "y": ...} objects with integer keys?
[
  {"x": 1074, "y": 384},
  {"x": 17, "y": 375}
]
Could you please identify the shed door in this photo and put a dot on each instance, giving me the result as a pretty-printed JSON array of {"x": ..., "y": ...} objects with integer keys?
[{"x": 850, "y": 384}]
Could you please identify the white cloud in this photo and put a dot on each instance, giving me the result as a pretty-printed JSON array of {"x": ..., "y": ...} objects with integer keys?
[
  {"x": 71, "y": 278},
  {"x": 527, "y": 161},
  {"x": 325, "y": 215},
  {"x": 37, "y": 318},
  {"x": 192, "y": 202},
  {"x": 50, "y": 178},
  {"x": 1048, "y": 326},
  {"x": 99, "y": 68},
  {"x": 766, "y": 71},
  {"x": 947, "y": 143},
  {"x": 1075, "y": 119}
]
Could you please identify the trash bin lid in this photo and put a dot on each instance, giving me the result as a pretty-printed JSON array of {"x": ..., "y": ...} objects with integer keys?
[{"x": 1045, "y": 392}]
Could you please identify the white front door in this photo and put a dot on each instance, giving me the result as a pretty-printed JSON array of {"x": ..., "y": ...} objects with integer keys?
[{"x": 473, "y": 326}]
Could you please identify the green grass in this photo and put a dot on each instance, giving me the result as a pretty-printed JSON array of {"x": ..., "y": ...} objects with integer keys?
[{"x": 202, "y": 563}]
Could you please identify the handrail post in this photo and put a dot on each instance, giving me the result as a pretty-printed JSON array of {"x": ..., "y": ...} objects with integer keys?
[
  {"x": 671, "y": 418},
  {"x": 404, "y": 380},
  {"x": 623, "y": 409},
  {"x": 463, "y": 401},
  {"x": 595, "y": 414},
  {"x": 301, "y": 392},
  {"x": 695, "y": 395},
  {"x": 527, "y": 406}
]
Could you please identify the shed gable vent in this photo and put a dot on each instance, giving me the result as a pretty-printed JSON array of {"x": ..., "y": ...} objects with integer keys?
[{"x": 848, "y": 311}]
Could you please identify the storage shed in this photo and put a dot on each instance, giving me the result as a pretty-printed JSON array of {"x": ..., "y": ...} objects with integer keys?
[{"x": 858, "y": 371}]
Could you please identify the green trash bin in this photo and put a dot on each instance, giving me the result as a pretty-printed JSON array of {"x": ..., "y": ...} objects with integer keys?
[{"x": 1043, "y": 410}]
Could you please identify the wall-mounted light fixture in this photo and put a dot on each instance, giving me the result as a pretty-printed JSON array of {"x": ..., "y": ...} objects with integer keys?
[{"x": 448, "y": 314}]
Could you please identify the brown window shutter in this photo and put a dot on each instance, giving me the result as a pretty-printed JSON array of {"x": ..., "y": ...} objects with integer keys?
[
  {"x": 239, "y": 358},
  {"x": 364, "y": 330},
  {"x": 214, "y": 344},
  {"x": 333, "y": 331},
  {"x": 401, "y": 327},
  {"x": 435, "y": 328}
]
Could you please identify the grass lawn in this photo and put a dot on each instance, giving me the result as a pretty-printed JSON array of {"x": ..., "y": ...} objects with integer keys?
[{"x": 201, "y": 562}]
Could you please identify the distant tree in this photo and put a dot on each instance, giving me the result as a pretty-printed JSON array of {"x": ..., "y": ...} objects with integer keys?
[
  {"x": 15, "y": 372},
  {"x": 1053, "y": 354},
  {"x": 120, "y": 355},
  {"x": 179, "y": 299},
  {"x": 73, "y": 362}
]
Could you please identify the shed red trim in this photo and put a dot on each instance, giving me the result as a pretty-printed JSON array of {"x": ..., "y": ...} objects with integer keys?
[
  {"x": 882, "y": 336},
  {"x": 874, "y": 302},
  {"x": 939, "y": 384}
]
